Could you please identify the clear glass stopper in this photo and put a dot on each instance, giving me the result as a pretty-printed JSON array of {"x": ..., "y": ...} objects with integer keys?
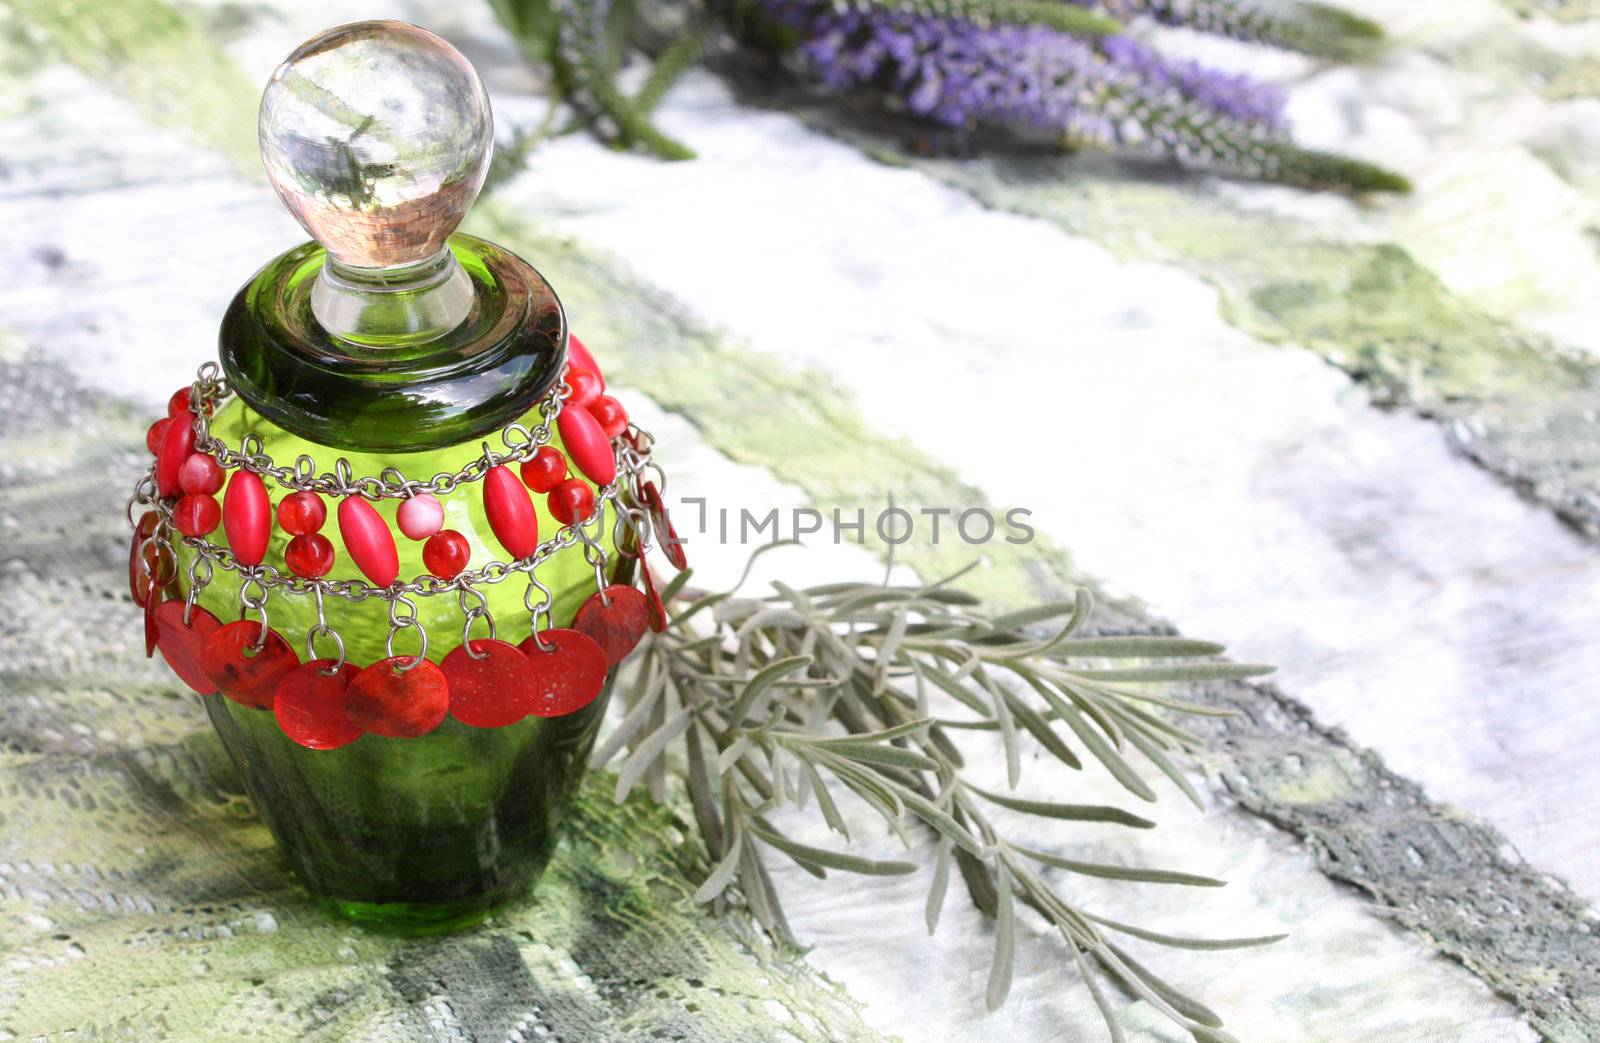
[{"x": 377, "y": 136}]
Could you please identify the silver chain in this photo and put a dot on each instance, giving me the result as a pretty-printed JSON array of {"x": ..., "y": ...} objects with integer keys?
[
  {"x": 270, "y": 577},
  {"x": 521, "y": 443}
]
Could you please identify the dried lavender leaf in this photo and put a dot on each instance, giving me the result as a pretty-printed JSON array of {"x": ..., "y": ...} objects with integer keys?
[
  {"x": 675, "y": 586},
  {"x": 702, "y": 798},
  {"x": 880, "y": 753},
  {"x": 1182, "y": 1002},
  {"x": 1008, "y": 730},
  {"x": 763, "y": 680},
  {"x": 1114, "y": 763},
  {"x": 830, "y": 810},
  {"x": 731, "y": 754},
  {"x": 1097, "y": 994},
  {"x": 1040, "y": 729},
  {"x": 1164, "y": 764},
  {"x": 940, "y": 886},
  {"x": 723, "y": 873},
  {"x": 629, "y": 726},
  {"x": 938, "y": 818},
  {"x": 1178, "y": 672},
  {"x": 1005, "y": 941},
  {"x": 1172, "y": 941},
  {"x": 1069, "y": 812},
  {"x": 649, "y": 751},
  {"x": 1109, "y": 872},
  {"x": 806, "y": 854},
  {"x": 1136, "y": 646}
]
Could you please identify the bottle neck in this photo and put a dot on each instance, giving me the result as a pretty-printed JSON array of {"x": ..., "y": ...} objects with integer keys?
[
  {"x": 401, "y": 394},
  {"x": 399, "y": 306}
]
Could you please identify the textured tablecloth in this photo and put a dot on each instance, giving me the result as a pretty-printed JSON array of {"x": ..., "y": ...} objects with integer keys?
[{"x": 1356, "y": 439}]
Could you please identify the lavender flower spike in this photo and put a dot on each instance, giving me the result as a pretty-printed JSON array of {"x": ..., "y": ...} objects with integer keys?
[{"x": 1115, "y": 90}]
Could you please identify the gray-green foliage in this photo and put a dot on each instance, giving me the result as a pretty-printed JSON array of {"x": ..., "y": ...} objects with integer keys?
[{"x": 863, "y": 689}]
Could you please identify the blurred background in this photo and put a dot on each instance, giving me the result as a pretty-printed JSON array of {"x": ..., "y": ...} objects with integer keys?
[{"x": 1279, "y": 320}]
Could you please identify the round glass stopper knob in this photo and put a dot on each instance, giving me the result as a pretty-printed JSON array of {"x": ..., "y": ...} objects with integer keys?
[{"x": 376, "y": 136}]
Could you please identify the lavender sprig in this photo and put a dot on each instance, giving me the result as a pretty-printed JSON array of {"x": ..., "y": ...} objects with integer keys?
[
  {"x": 870, "y": 693},
  {"x": 1113, "y": 91}
]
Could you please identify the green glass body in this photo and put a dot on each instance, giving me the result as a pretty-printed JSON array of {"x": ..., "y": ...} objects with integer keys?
[{"x": 432, "y": 833}]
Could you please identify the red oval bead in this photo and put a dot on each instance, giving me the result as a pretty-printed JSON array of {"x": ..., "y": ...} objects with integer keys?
[
  {"x": 584, "y": 385},
  {"x": 309, "y": 555},
  {"x": 446, "y": 553},
  {"x": 179, "y": 402},
  {"x": 545, "y": 470},
  {"x": 587, "y": 445},
  {"x": 183, "y": 644},
  {"x": 567, "y": 674},
  {"x": 369, "y": 541},
  {"x": 609, "y": 414},
  {"x": 201, "y": 474},
  {"x": 615, "y": 627},
  {"x": 247, "y": 517},
  {"x": 176, "y": 445},
  {"x": 578, "y": 355},
  {"x": 197, "y": 514},
  {"x": 155, "y": 434},
  {"x": 247, "y": 675},
  {"x": 310, "y": 705},
  {"x": 493, "y": 690},
  {"x": 571, "y": 501},
  {"x": 301, "y": 513},
  {"x": 510, "y": 511},
  {"x": 400, "y": 704}
]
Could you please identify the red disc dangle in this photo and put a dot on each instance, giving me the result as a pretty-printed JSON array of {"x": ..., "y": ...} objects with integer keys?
[
  {"x": 246, "y": 674},
  {"x": 491, "y": 685},
  {"x": 183, "y": 644},
  {"x": 661, "y": 524},
  {"x": 616, "y": 618},
  {"x": 310, "y": 705},
  {"x": 397, "y": 699},
  {"x": 567, "y": 673}
]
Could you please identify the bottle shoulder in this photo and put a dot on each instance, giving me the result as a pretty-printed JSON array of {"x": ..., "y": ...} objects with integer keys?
[{"x": 400, "y": 397}]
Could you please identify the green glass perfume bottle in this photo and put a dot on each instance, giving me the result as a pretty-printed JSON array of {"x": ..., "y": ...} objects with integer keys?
[{"x": 391, "y": 361}]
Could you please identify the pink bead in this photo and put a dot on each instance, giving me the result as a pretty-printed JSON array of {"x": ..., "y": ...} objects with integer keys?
[
  {"x": 369, "y": 541},
  {"x": 587, "y": 445},
  {"x": 420, "y": 516},
  {"x": 510, "y": 510},
  {"x": 579, "y": 356},
  {"x": 247, "y": 517}
]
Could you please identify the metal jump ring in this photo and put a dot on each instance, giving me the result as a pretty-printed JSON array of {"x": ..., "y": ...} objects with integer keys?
[
  {"x": 404, "y": 623},
  {"x": 472, "y": 613},
  {"x": 541, "y": 609}
]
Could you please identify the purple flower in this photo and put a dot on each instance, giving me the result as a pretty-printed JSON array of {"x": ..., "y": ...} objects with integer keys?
[{"x": 1112, "y": 90}]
